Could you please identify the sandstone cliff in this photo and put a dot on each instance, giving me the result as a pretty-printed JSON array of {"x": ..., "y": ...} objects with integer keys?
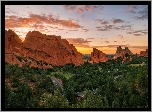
[
  {"x": 12, "y": 42},
  {"x": 122, "y": 52},
  {"x": 47, "y": 49},
  {"x": 144, "y": 53},
  {"x": 97, "y": 56}
]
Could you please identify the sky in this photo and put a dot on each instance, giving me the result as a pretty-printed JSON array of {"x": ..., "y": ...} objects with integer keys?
[{"x": 104, "y": 27}]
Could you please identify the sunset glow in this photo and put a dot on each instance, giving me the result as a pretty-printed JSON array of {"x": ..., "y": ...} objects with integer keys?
[{"x": 85, "y": 26}]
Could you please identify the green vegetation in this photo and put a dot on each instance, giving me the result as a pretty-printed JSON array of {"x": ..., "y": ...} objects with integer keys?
[{"x": 104, "y": 85}]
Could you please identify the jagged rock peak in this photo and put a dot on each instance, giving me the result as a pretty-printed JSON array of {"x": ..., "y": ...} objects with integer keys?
[
  {"x": 97, "y": 56},
  {"x": 122, "y": 52}
]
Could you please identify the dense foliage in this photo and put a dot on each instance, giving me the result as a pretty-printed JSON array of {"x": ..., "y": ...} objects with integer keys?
[{"x": 104, "y": 85}]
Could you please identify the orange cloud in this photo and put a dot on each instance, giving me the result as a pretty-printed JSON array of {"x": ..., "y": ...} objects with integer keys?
[
  {"x": 80, "y": 10},
  {"x": 79, "y": 42},
  {"x": 132, "y": 7},
  {"x": 33, "y": 19}
]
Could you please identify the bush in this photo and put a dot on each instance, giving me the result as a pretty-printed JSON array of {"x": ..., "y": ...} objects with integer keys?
[{"x": 56, "y": 100}]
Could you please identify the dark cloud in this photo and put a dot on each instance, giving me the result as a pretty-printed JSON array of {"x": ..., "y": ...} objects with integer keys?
[
  {"x": 115, "y": 21},
  {"x": 122, "y": 27},
  {"x": 101, "y": 7},
  {"x": 117, "y": 46},
  {"x": 132, "y": 12},
  {"x": 90, "y": 38},
  {"x": 105, "y": 28},
  {"x": 87, "y": 8},
  {"x": 129, "y": 32},
  {"x": 73, "y": 30},
  {"x": 108, "y": 27},
  {"x": 102, "y": 29},
  {"x": 82, "y": 8},
  {"x": 138, "y": 47},
  {"x": 37, "y": 26},
  {"x": 141, "y": 31},
  {"x": 79, "y": 42},
  {"x": 66, "y": 6},
  {"x": 8, "y": 11},
  {"x": 142, "y": 14},
  {"x": 72, "y": 8},
  {"x": 141, "y": 17},
  {"x": 98, "y": 27},
  {"x": 145, "y": 33},
  {"x": 116, "y": 28},
  {"x": 137, "y": 34},
  {"x": 103, "y": 21},
  {"x": 86, "y": 30}
]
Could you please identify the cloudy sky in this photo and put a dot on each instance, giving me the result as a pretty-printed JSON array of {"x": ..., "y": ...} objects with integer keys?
[{"x": 85, "y": 26}]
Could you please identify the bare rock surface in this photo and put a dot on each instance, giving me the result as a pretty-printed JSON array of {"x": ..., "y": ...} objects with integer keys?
[
  {"x": 97, "y": 56},
  {"x": 50, "y": 49},
  {"x": 144, "y": 53},
  {"x": 122, "y": 52}
]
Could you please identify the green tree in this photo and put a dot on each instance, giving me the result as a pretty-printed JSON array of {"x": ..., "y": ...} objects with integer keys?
[{"x": 56, "y": 100}]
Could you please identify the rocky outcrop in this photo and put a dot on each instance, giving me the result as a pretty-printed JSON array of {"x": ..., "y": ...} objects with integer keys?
[
  {"x": 12, "y": 42},
  {"x": 50, "y": 49},
  {"x": 97, "y": 56},
  {"x": 144, "y": 53},
  {"x": 122, "y": 52},
  {"x": 11, "y": 58}
]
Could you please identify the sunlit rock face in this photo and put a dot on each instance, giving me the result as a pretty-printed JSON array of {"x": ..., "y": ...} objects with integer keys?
[
  {"x": 12, "y": 42},
  {"x": 122, "y": 52},
  {"x": 144, "y": 53},
  {"x": 97, "y": 56},
  {"x": 49, "y": 49}
]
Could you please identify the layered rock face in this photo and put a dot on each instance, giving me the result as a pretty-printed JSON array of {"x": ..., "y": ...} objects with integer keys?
[
  {"x": 12, "y": 42},
  {"x": 47, "y": 49},
  {"x": 122, "y": 52},
  {"x": 144, "y": 53},
  {"x": 97, "y": 56}
]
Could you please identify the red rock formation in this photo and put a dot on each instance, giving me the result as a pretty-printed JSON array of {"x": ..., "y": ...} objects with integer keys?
[
  {"x": 97, "y": 56},
  {"x": 46, "y": 48},
  {"x": 122, "y": 52},
  {"x": 51, "y": 49},
  {"x": 12, "y": 42},
  {"x": 11, "y": 58},
  {"x": 144, "y": 53}
]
